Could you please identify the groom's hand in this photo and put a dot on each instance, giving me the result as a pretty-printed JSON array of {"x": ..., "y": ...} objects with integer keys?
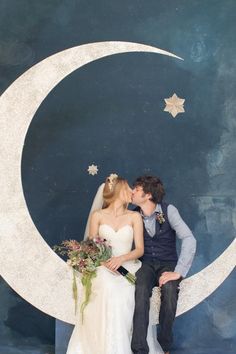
[{"x": 167, "y": 276}]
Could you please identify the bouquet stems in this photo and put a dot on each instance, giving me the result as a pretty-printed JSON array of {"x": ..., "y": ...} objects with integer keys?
[{"x": 129, "y": 276}]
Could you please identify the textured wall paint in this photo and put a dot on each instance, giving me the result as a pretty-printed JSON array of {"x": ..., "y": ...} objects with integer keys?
[{"x": 194, "y": 154}]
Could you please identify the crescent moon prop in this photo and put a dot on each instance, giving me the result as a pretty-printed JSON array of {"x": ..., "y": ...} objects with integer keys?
[{"x": 27, "y": 263}]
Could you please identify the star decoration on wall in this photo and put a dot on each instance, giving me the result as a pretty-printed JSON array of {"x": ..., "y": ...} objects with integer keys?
[
  {"x": 92, "y": 170},
  {"x": 174, "y": 105}
]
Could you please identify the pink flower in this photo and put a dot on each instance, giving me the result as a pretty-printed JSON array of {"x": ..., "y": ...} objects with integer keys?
[
  {"x": 99, "y": 240},
  {"x": 73, "y": 245}
]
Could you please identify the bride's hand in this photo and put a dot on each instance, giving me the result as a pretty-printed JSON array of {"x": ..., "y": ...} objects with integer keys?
[{"x": 114, "y": 263}]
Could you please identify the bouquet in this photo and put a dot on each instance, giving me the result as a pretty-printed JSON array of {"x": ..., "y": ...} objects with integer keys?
[{"x": 85, "y": 257}]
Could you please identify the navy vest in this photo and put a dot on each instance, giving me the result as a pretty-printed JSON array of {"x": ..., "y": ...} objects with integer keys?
[{"x": 162, "y": 246}]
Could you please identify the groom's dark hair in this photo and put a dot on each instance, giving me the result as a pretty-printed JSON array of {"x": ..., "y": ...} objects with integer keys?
[{"x": 152, "y": 185}]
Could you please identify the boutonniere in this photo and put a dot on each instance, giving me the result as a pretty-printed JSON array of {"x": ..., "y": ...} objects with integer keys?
[{"x": 160, "y": 217}]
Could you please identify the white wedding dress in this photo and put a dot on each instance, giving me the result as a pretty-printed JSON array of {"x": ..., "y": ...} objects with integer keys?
[{"x": 107, "y": 324}]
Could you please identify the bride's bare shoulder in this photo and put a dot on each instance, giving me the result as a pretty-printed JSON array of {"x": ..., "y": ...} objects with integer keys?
[
  {"x": 96, "y": 214},
  {"x": 135, "y": 215}
]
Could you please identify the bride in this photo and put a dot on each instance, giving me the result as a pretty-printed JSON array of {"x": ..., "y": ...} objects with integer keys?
[{"x": 107, "y": 323}]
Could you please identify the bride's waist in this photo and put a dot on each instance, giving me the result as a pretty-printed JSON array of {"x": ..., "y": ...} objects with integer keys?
[
  {"x": 120, "y": 252},
  {"x": 133, "y": 261}
]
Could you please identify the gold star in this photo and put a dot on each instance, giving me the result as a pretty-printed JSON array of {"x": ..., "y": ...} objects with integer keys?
[
  {"x": 92, "y": 169},
  {"x": 174, "y": 105}
]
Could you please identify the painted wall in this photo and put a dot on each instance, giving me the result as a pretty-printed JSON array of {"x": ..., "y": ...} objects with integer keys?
[{"x": 110, "y": 113}]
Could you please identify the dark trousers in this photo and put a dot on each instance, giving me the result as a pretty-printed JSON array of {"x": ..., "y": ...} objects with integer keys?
[{"x": 147, "y": 278}]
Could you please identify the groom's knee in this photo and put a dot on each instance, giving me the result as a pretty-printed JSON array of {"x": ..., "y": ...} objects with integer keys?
[
  {"x": 142, "y": 292},
  {"x": 170, "y": 290}
]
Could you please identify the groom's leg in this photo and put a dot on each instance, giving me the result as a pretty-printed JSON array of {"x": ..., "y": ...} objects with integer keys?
[
  {"x": 146, "y": 280},
  {"x": 169, "y": 298}
]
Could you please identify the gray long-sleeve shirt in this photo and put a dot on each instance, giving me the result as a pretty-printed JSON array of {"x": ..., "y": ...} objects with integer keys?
[{"x": 188, "y": 245}]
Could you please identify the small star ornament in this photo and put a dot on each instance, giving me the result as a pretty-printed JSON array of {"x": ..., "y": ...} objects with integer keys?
[
  {"x": 92, "y": 170},
  {"x": 174, "y": 105}
]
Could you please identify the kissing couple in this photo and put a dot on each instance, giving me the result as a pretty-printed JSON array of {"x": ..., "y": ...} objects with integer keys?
[{"x": 116, "y": 320}]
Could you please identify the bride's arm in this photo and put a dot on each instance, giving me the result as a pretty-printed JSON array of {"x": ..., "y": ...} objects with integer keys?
[
  {"x": 94, "y": 224},
  {"x": 115, "y": 262},
  {"x": 138, "y": 238}
]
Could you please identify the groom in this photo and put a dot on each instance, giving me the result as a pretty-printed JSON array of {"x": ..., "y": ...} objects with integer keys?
[{"x": 161, "y": 265}]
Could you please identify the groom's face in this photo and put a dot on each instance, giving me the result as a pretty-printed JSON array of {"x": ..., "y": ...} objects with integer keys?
[{"x": 138, "y": 196}]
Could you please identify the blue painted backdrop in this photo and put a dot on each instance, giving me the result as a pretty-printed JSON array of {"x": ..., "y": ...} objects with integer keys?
[{"x": 110, "y": 113}]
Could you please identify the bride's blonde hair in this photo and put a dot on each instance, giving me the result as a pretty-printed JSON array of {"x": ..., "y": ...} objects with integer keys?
[{"x": 112, "y": 188}]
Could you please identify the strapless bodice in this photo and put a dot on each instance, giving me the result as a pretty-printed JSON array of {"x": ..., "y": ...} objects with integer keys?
[{"x": 121, "y": 240}]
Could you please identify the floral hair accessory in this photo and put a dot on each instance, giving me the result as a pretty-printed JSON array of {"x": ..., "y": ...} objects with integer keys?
[
  {"x": 111, "y": 180},
  {"x": 160, "y": 217}
]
